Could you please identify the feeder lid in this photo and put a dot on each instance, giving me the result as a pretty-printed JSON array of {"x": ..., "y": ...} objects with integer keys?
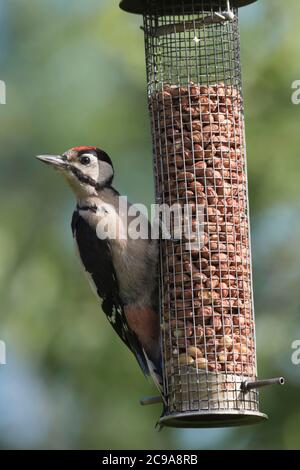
[{"x": 140, "y": 6}]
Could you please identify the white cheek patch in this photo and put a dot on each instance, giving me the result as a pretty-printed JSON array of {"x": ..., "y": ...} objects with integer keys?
[
  {"x": 105, "y": 172},
  {"x": 96, "y": 172},
  {"x": 91, "y": 170}
]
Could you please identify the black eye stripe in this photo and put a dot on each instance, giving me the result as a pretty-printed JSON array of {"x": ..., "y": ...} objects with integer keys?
[
  {"x": 83, "y": 178},
  {"x": 87, "y": 179}
]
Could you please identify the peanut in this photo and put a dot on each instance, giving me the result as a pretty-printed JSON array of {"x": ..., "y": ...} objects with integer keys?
[
  {"x": 194, "y": 352},
  {"x": 201, "y": 161},
  {"x": 185, "y": 360},
  {"x": 201, "y": 363}
]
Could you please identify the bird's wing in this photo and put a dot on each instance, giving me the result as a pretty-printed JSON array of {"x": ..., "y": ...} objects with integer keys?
[{"x": 97, "y": 261}]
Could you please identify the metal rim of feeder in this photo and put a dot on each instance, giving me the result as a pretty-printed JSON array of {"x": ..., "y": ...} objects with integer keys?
[
  {"x": 194, "y": 85},
  {"x": 141, "y": 6},
  {"x": 216, "y": 419}
]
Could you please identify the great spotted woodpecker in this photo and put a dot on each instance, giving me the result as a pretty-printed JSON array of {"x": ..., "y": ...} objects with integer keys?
[{"x": 122, "y": 269}]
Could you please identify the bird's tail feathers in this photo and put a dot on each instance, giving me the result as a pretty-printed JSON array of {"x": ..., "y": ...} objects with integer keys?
[{"x": 155, "y": 372}]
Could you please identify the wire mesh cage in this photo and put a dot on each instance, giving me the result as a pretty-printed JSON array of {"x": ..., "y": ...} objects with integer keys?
[{"x": 197, "y": 117}]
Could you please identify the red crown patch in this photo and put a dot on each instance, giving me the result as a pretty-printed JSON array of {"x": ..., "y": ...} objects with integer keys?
[{"x": 83, "y": 148}]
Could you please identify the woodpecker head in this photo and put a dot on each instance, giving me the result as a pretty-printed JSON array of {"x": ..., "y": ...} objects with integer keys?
[{"x": 87, "y": 169}]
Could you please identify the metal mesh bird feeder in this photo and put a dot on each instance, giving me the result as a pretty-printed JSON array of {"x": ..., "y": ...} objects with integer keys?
[{"x": 197, "y": 116}]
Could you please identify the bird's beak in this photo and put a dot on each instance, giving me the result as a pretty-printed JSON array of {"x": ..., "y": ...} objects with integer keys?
[{"x": 57, "y": 161}]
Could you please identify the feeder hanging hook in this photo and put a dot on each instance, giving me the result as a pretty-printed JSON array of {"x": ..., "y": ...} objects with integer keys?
[{"x": 227, "y": 15}]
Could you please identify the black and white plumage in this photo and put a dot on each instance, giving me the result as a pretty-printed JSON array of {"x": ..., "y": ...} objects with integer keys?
[
  {"x": 96, "y": 257},
  {"x": 122, "y": 270}
]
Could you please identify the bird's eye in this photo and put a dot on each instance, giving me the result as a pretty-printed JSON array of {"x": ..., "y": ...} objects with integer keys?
[{"x": 85, "y": 160}]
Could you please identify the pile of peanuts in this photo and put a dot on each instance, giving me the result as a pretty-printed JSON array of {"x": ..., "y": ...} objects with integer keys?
[{"x": 200, "y": 161}]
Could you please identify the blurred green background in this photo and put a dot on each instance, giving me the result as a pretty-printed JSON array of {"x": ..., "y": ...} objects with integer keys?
[{"x": 75, "y": 75}]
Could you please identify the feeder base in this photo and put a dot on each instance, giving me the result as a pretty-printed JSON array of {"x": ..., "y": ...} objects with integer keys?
[{"x": 212, "y": 419}]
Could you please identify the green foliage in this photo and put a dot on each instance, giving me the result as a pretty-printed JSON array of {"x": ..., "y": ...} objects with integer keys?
[{"x": 75, "y": 75}]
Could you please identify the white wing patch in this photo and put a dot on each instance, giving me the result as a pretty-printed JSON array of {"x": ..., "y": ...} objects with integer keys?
[{"x": 112, "y": 318}]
